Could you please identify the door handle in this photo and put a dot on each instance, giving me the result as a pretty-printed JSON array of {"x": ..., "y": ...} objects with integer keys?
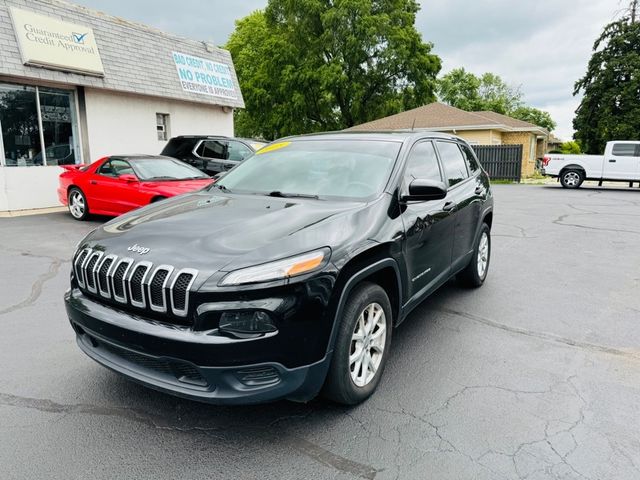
[
  {"x": 479, "y": 190},
  {"x": 612, "y": 160},
  {"x": 93, "y": 182},
  {"x": 449, "y": 206}
]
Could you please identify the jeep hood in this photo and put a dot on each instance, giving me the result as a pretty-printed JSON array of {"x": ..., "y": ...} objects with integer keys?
[{"x": 217, "y": 231}]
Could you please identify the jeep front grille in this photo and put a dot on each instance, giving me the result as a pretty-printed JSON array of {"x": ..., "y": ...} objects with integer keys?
[
  {"x": 138, "y": 284},
  {"x": 157, "y": 288},
  {"x": 180, "y": 290}
]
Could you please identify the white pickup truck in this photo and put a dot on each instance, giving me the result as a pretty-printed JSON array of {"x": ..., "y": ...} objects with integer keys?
[{"x": 620, "y": 162}]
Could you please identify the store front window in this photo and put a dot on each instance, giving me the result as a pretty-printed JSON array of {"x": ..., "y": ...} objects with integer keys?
[{"x": 38, "y": 126}]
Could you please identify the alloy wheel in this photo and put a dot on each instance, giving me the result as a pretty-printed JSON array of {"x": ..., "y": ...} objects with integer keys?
[
  {"x": 76, "y": 204},
  {"x": 571, "y": 179},
  {"x": 483, "y": 254},
  {"x": 367, "y": 344}
]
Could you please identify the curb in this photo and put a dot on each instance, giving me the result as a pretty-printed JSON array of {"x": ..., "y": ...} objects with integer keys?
[{"x": 33, "y": 211}]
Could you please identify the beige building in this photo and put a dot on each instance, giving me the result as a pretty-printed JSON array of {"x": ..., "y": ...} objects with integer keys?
[
  {"x": 477, "y": 128},
  {"x": 77, "y": 84}
]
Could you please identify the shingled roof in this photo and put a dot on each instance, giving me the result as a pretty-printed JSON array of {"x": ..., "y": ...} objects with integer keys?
[
  {"x": 136, "y": 58},
  {"x": 439, "y": 116}
]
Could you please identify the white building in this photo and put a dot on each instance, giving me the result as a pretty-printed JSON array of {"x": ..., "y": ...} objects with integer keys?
[{"x": 76, "y": 85}]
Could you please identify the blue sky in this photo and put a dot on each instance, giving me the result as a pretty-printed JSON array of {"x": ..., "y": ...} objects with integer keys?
[{"x": 543, "y": 46}]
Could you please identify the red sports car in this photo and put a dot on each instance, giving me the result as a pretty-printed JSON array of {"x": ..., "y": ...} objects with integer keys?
[{"x": 114, "y": 185}]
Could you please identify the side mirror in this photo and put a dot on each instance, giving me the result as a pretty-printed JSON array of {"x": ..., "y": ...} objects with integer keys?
[
  {"x": 422, "y": 190},
  {"x": 128, "y": 177}
]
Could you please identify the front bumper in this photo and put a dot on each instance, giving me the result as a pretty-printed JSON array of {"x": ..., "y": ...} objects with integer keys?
[{"x": 187, "y": 363}]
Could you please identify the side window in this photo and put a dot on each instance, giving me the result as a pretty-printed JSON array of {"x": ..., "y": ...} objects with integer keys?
[
  {"x": 214, "y": 149},
  {"x": 238, "y": 151},
  {"x": 105, "y": 169},
  {"x": 624, "y": 150},
  {"x": 472, "y": 162},
  {"x": 121, "y": 167},
  {"x": 423, "y": 163},
  {"x": 455, "y": 167}
]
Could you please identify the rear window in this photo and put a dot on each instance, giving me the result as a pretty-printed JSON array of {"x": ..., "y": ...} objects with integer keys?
[
  {"x": 455, "y": 166},
  {"x": 214, "y": 149},
  {"x": 472, "y": 162},
  {"x": 625, "y": 150},
  {"x": 179, "y": 147}
]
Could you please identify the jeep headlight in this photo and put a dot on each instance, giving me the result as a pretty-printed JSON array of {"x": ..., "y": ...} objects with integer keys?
[{"x": 280, "y": 269}]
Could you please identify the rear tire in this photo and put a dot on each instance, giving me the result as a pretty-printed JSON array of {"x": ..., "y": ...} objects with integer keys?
[
  {"x": 474, "y": 275},
  {"x": 572, "y": 178},
  {"x": 362, "y": 345},
  {"x": 77, "y": 204}
]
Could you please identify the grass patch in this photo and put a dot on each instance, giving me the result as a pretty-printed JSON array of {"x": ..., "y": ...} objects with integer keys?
[
  {"x": 502, "y": 181},
  {"x": 537, "y": 176}
]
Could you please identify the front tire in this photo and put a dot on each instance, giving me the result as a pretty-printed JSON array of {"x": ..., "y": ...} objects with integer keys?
[
  {"x": 572, "y": 178},
  {"x": 77, "y": 203},
  {"x": 362, "y": 345},
  {"x": 475, "y": 273}
]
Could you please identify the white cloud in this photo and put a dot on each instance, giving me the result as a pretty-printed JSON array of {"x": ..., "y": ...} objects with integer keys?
[{"x": 543, "y": 46}]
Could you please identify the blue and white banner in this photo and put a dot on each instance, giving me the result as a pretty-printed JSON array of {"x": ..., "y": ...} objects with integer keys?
[{"x": 198, "y": 75}]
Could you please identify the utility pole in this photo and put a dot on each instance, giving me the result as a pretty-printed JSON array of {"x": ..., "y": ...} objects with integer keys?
[{"x": 634, "y": 10}]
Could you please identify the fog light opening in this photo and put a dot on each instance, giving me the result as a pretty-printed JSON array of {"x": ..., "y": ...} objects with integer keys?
[
  {"x": 246, "y": 322},
  {"x": 78, "y": 329}
]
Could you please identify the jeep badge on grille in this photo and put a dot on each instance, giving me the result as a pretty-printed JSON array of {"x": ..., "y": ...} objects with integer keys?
[{"x": 138, "y": 249}]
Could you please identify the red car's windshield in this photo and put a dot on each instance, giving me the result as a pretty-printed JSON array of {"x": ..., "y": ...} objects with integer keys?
[{"x": 165, "y": 169}]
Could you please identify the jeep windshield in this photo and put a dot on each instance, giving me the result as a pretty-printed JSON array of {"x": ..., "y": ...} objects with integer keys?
[{"x": 315, "y": 169}]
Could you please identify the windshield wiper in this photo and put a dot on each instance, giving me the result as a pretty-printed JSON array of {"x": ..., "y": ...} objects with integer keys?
[
  {"x": 277, "y": 193},
  {"x": 165, "y": 177}
]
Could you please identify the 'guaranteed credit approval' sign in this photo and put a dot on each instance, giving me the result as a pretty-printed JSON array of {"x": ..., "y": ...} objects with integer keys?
[
  {"x": 51, "y": 43},
  {"x": 198, "y": 75}
]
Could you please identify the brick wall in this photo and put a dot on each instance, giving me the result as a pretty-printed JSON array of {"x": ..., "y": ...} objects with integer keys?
[
  {"x": 541, "y": 148},
  {"x": 528, "y": 141}
]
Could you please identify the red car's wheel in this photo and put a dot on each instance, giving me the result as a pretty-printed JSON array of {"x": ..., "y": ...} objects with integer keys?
[{"x": 78, "y": 207}]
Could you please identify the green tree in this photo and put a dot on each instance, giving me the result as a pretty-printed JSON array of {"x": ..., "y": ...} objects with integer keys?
[
  {"x": 316, "y": 65},
  {"x": 461, "y": 89},
  {"x": 571, "y": 148},
  {"x": 497, "y": 95},
  {"x": 533, "y": 115},
  {"x": 610, "y": 106},
  {"x": 469, "y": 92}
]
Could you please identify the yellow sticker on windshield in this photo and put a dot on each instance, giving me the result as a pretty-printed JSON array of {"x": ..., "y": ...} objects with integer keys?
[{"x": 272, "y": 147}]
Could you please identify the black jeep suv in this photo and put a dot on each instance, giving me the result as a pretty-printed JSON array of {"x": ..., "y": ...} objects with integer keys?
[
  {"x": 211, "y": 154},
  {"x": 286, "y": 276}
]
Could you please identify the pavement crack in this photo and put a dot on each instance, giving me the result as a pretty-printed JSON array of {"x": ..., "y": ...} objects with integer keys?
[
  {"x": 521, "y": 230},
  {"x": 523, "y": 448},
  {"x": 332, "y": 460},
  {"x": 36, "y": 288},
  {"x": 550, "y": 337},
  {"x": 35, "y": 255},
  {"x": 301, "y": 445},
  {"x": 49, "y": 406},
  {"x": 561, "y": 221}
]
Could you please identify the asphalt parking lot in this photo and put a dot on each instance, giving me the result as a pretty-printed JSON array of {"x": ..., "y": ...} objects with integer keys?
[{"x": 536, "y": 375}]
